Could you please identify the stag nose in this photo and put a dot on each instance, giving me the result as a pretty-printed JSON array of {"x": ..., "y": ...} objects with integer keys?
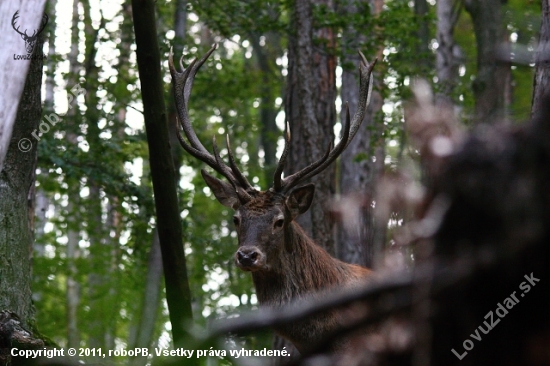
[{"x": 247, "y": 256}]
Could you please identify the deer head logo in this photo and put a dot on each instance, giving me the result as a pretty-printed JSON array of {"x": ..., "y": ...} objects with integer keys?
[{"x": 30, "y": 41}]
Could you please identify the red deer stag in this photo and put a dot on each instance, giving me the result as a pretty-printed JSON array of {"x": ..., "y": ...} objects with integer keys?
[{"x": 286, "y": 265}]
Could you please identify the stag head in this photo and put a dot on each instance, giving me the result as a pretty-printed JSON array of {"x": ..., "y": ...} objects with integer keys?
[
  {"x": 30, "y": 41},
  {"x": 261, "y": 218}
]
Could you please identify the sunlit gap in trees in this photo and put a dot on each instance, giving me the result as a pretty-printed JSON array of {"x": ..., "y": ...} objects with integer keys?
[
  {"x": 216, "y": 277},
  {"x": 107, "y": 57}
]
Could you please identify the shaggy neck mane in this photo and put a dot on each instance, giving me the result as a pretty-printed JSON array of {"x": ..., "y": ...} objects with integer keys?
[{"x": 309, "y": 268}]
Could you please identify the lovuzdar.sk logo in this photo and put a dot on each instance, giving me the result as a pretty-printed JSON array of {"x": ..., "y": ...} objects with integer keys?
[{"x": 30, "y": 40}]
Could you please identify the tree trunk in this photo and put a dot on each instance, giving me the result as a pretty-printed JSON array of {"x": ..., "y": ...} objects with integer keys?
[
  {"x": 144, "y": 332},
  {"x": 13, "y": 72},
  {"x": 16, "y": 180},
  {"x": 488, "y": 91},
  {"x": 541, "y": 86},
  {"x": 446, "y": 63},
  {"x": 73, "y": 217},
  {"x": 17, "y": 177},
  {"x": 178, "y": 294},
  {"x": 363, "y": 161},
  {"x": 145, "y": 320},
  {"x": 423, "y": 33},
  {"x": 310, "y": 110},
  {"x": 270, "y": 134}
]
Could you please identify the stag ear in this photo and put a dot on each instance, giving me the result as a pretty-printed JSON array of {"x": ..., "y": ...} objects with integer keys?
[
  {"x": 224, "y": 192},
  {"x": 299, "y": 200}
]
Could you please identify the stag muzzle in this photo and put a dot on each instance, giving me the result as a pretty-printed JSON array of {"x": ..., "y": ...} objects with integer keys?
[{"x": 249, "y": 258}]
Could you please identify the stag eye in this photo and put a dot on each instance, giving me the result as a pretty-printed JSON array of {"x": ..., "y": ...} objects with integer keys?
[
  {"x": 279, "y": 223},
  {"x": 236, "y": 220}
]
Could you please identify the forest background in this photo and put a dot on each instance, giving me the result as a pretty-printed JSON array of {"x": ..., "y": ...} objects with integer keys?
[{"x": 96, "y": 276}]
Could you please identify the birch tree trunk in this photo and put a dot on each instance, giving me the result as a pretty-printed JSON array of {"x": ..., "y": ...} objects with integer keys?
[
  {"x": 16, "y": 182},
  {"x": 13, "y": 72},
  {"x": 17, "y": 178}
]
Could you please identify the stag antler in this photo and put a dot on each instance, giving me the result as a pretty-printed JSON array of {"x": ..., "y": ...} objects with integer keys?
[
  {"x": 286, "y": 184},
  {"x": 183, "y": 83}
]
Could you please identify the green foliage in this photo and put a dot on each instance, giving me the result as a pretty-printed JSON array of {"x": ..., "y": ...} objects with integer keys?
[
  {"x": 242, "y": 17},
  {"x": 108, "y": 157}
]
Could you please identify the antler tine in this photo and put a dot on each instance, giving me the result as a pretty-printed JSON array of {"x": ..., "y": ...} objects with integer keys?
[
  {"x": 216, "y": 152},
  {"x": 350, "y": 129},
  {"x": 240, "y": 177},
  {"x": 183, "y": 83},
  {"x": 243, "y": 195},
  {"x": 181, "y": 62},
  {"x": 292, "y": 180},
  {"x": 365, "y": 92},
  {"x": 277, "y": 183},
  {"x": 214, "y": 162},
  {"x": 220, "y": 163},
  {"x": 329, "y": 156},
  {"x": 194, "y": 68},
  {"x": 206, "y": 157}
]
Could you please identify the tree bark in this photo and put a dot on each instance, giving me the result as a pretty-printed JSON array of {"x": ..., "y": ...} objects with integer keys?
[
  {"x": 270, "y": 134},
  {"x": 541, "y": 87},
  {"x": 13, "y": 72},
  {"x": 144, "y": 322},
  {"x": 363, "y": 160},
  {"x": 446, "y": 63},
  {"x": 423, "y": 33},
  {"x": 16, "y": 182},
  {"x": 310, "y": 110},
  {"x": 488, "y": 91},
  {"x": 149, "y": 310},
  {"x": 178, "y": 294}
]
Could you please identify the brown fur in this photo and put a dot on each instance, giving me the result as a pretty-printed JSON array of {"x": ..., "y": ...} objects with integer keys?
[
  {"x": 287, "y": 276},
  {"x": 286, "y": 265},
  {"x": 309, "y": 270}
]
